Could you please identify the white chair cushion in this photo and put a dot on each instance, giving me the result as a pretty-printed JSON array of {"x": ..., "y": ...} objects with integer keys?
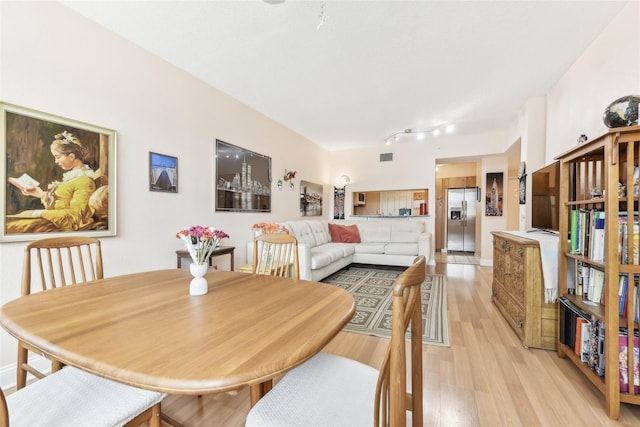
[
  {"x": 327, "y": 390},
  {"x": 71, "y": 397}
]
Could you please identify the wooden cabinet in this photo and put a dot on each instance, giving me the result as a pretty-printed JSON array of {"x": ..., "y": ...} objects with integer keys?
[
  {"x": 601, "y": 176},
  {"x": 518, "y": 290}
]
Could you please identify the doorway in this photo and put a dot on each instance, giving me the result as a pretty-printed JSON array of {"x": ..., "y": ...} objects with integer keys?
[{"x": 448, "y": 177}]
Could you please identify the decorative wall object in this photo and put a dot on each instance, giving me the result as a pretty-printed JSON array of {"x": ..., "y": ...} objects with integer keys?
[
  {"x": 163, "y": 173},
  {"x": 62, "y": 173},
  {"x": 310, "y": 199},
  {"x": 338, "y": 203},
  {"x": 289, "y": 176},
  {"x": 243, "y": 179},
  {"x": 493, "y": 200},
  {"x": 522, "y": 183},
  {"x": 522, "y": 190}
]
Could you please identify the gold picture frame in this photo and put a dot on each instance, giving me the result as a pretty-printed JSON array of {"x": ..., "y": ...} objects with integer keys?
[{"x": 59, "y": 175}]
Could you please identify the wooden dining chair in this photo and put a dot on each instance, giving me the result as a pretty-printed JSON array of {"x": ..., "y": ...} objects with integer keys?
[
  {"x": 52, "y": 263},
  {"x": 71, "y": 397},
  {"x": 332, "y": 390},
  {"x": 276, "y": 254}
]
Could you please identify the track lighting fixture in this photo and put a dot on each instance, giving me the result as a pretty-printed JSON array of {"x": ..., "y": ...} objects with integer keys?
[{"x": 420, "y": 133}]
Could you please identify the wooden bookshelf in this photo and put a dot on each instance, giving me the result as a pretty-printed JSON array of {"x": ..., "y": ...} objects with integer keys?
[{"x": 599, "y": 174}]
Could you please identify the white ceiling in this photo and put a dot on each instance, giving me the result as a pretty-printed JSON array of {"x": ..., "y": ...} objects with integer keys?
[{"x": 374, "y": 67}]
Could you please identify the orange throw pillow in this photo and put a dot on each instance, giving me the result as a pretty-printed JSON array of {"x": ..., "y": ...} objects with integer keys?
[
  {"x": 344, "y": 233},
  {"x": 335, "y": 232}
]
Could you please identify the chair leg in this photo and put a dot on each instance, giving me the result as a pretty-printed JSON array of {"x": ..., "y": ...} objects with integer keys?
[
  {"x": 21, "y": 372},
  {"x": 155, "y": 420},
  {"x": 416, "y": 367},
  {"x": 257, "y": 391}
]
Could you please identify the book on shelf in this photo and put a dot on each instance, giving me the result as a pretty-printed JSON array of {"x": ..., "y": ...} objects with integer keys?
[
  {"x": 624, "y": 362},
  {"x": 596, "y": 284},
  {"x": 622, "y": 294},
  {"x": 584, "y": 337},
  {"x": 23, "y": 181},
  {"x": 580, "y": 321},
  {"x": 629, "y": 293},
  {"x": 573, "y": 226},
  {"x": 583, "y": 281},
  {"x": 600, "y": 364},
  {"x": 598, "y": 242},
  {"x": 623, "y": 239}
]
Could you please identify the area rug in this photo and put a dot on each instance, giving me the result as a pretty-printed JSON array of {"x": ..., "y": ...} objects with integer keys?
[{"x": 372, "y": 291}]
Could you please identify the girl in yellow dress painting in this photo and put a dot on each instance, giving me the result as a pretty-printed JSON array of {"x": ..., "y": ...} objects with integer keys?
[{"x": 65, "y": 203}]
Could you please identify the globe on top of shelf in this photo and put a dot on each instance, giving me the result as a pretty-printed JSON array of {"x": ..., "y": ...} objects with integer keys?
[{"x": 622, "y": 112}]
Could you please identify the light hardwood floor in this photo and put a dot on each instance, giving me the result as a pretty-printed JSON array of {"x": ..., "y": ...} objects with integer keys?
[{"x": 486, "y": 377}]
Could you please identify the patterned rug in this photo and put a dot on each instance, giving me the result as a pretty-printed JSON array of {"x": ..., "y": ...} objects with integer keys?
[{"x": 371, "y": 288}]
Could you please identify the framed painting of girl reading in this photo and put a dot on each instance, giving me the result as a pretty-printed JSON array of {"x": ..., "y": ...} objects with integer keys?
[{"x": 59, "y": 176}]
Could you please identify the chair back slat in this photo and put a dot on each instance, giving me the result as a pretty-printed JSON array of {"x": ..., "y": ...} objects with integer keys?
[
  {"x": 391, "y": 391},
  {"x": 276, "y": 254},
  {"x": 60, "y": 262}
]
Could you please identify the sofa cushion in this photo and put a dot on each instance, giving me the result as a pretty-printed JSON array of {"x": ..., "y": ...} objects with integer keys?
[
  {"x": 324, "y": 255},
  {"x": 405, "y": 231},
  {"x": 320, "y": 232},
  {"x": 344, "y": 233},
  {"x": 401, "y": 249},
  {"x": 375, "y": 231},
  {"x": 302, "y": 232},
  {"x": 370, "y": 248}
]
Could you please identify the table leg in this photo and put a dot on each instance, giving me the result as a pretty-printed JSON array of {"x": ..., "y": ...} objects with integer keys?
[
  {"x": 259, "y": 390},
  {"x": 231, "y": 253}
]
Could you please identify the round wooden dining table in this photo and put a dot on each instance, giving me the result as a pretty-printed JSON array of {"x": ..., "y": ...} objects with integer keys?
[{"x": 145, "y": 329}]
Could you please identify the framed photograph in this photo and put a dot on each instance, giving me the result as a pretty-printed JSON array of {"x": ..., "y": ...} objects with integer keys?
[
  {"x": 59, "y": 176},
  {"x": 163, "y": 173},
  {"x": 338, "y": 203},
  {"x": 243, "y": 179},
  {"x": 310, "y": 199},
  {"x": 493, "y": 199}
]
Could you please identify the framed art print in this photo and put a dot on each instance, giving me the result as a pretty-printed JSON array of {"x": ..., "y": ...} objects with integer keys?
[
  {"x": 163, "y": 173},
  {"x": 59, "y": 176},
  {"x": 493, "y": 200},
  {"x": 310, "y": 199},
  {"x": 243, "y": 179}
]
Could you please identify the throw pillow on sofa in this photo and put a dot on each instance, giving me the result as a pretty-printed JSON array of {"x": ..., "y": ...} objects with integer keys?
[{"x": 344, "y": 233}]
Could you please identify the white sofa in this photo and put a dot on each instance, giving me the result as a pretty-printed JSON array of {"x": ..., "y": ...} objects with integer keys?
[{"x": 383, "y": 242}]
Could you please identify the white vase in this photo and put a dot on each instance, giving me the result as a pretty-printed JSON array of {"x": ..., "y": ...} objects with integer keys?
[{"x": 198, "y": 285}]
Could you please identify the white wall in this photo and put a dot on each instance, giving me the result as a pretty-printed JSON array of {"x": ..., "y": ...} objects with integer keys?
[{"x": 607, "y": 70}]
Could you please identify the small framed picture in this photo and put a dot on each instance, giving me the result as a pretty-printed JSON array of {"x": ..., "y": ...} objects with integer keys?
[{"x": 163, "y": 173}]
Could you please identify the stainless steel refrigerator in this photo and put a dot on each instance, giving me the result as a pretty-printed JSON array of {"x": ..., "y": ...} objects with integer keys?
[{"x": 461, "y": 219}]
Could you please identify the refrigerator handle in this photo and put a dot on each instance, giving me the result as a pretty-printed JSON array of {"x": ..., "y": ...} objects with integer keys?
[{"x": 464, "y": 212}]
